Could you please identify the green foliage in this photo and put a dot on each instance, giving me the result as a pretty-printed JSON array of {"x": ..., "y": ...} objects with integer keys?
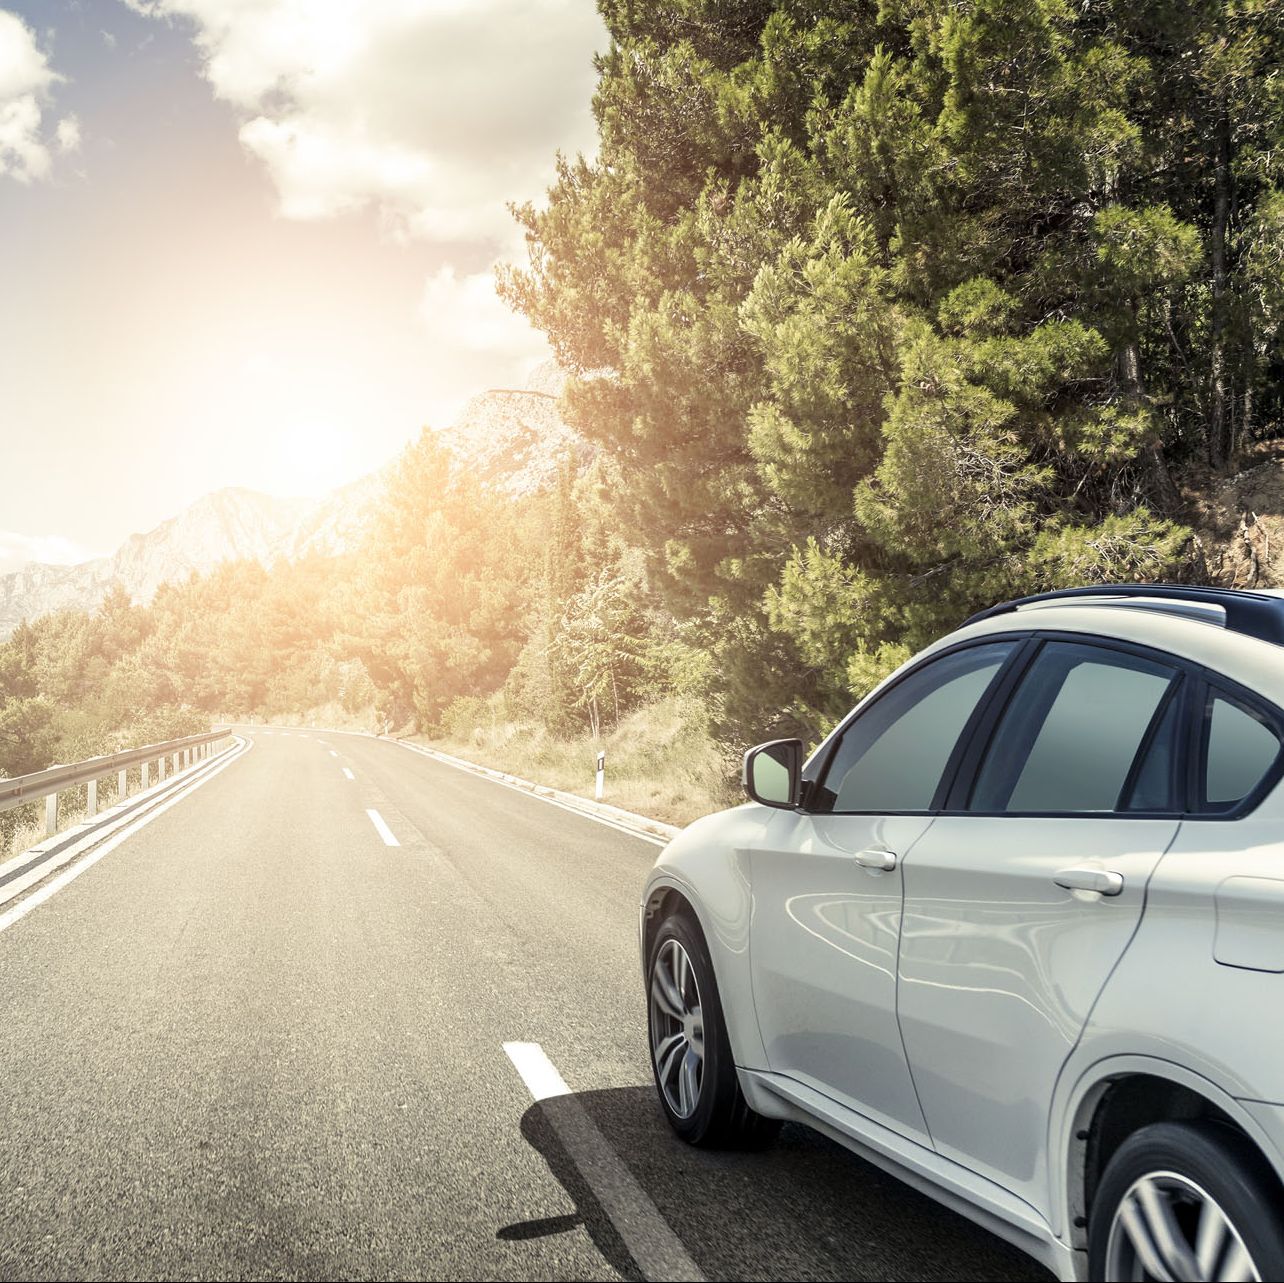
[
  {"x": 885, "y": 311},
  {"x": 439, "y": 608}
]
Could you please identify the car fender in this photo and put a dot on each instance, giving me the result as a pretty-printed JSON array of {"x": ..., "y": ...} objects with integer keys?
[
  {"x": 1080, "y": 1087},
  {"x": 708, "y": 865}
]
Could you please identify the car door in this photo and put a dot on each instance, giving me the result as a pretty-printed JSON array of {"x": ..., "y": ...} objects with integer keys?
[
  {"x": 1023, "y": 896},
  {"x": 827, "y": 888}
]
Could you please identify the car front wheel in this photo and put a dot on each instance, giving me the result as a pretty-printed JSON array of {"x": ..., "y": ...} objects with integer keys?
[
  {"x": 695, "y": 1075},
  {"x": 1186, "y": 1201}
]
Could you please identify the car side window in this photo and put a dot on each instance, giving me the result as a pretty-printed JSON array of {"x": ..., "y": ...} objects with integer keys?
[
  {"x": 1239, "y": 748},
  {"x": 1088, "y": 730},
  {"x": 892, "y": 757}
]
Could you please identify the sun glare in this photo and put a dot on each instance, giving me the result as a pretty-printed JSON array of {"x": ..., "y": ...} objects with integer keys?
[
  {"x": 309, "y": 458},
  {"x": 286, "y": 417}
]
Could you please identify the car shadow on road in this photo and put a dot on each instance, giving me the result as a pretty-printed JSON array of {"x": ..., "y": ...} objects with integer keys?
[{"x": 804, "y": 1208}]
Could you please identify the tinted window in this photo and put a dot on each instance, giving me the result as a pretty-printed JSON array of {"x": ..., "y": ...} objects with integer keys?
[
  {"x": 1079, "y": 721},
  {"x": 1241, "y": 748},
  {"x": 892, "y": 756}
]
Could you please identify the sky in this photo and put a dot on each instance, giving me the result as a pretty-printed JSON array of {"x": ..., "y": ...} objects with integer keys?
[{"x": 251, "y": 242}]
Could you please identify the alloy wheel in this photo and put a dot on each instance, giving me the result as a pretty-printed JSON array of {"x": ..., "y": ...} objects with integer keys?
[
  {"x": 1167, "y": 1228},
  {"x": 677, "y": 1029}
]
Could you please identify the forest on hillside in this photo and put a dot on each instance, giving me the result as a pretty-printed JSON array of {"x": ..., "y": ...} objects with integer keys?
[{"x": 875, "y": 312}]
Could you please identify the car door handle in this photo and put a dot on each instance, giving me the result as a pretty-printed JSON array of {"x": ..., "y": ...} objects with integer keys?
[
  {"x": 876, "y": 858},
  {"x": 1085, "y": 878}
]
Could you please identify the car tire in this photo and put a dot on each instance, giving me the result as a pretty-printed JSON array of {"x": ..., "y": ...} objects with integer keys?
[
  {"x": 687, "y": 1035},
  {"x": 1170, "y": 1176}
]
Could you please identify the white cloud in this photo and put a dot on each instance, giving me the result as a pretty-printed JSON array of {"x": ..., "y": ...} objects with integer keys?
[
  {"x": 433, "y": 112},
  {"x": 68, "y": 134},
  {"x": 18, "y": 550},
  {"x": 469, "y": 309},
  {"x": 25, "y": 80},
  {"x": 474, "y": 340}
]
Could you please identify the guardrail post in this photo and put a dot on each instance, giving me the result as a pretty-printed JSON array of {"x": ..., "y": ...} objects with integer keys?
[
  {"x": 177, "y": 768},
  {"x": 122, "y": 785},
  {"x": 91, "y": 798},
  {"x": 51, "y": 815},
  {"x": 142, "y": 776}
]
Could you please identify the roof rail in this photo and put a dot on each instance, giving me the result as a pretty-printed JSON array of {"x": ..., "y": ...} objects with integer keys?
[{"x": 1256, "y": 614}]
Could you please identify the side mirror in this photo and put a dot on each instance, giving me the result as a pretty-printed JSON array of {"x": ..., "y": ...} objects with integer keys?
[{"x": 773, "y": 773}]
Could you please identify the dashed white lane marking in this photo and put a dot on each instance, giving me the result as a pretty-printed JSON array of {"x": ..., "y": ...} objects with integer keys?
[
  {"x": 655, "y": 1248},
  {"x": 382, "y": 828},
  {"x": 538, "y": 1072},
  {"x": 348, "y": 773},
  {"x": 333, "y": 753},
  {"x": 51, "y": 888}
]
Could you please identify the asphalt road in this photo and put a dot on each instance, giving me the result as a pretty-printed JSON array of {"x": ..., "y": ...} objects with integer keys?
[{"x": 257, "y": 1041}]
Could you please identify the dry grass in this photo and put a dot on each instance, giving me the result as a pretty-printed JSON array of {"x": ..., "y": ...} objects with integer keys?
[
  {"x": 27, "y": 829},
  {"x": 661, "y": 761}
]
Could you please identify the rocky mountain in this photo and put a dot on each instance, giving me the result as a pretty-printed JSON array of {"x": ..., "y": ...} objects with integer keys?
[
  {"x": 513, "y": 439},
  {"x": 228, "y": 525}
]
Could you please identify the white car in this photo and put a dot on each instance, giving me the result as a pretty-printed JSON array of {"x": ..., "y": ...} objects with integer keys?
[{"x": 1014, "y": 932}]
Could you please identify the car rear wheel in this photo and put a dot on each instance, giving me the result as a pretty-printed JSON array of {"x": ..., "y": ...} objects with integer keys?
[
  {"x": 1186, "y": 1201},
  {"x": 695, "y": 1075}
]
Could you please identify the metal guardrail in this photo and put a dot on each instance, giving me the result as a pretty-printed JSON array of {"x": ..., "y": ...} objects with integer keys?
[{"x": 47, "y": 784}]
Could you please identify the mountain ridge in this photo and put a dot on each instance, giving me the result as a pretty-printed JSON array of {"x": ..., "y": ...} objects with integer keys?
[
  {"x": 230, "y": 524},
  {"x": 511, "y": 439}
]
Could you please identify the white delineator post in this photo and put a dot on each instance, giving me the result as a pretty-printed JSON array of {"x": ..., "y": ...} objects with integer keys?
[{"x": 601, "y": 776}]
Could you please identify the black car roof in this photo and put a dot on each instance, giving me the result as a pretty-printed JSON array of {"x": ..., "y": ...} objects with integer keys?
[{"x": 1256, "y": 614}]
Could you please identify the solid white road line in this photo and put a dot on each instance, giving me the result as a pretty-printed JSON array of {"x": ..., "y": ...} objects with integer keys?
[
  {"x": 348, "y": 773},
  {"x": 655, "y": 1248},
  {"x": 470, "y": 768},
  {"x": 52, "y": 887},
  {"x": 384, "y": 831}
]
